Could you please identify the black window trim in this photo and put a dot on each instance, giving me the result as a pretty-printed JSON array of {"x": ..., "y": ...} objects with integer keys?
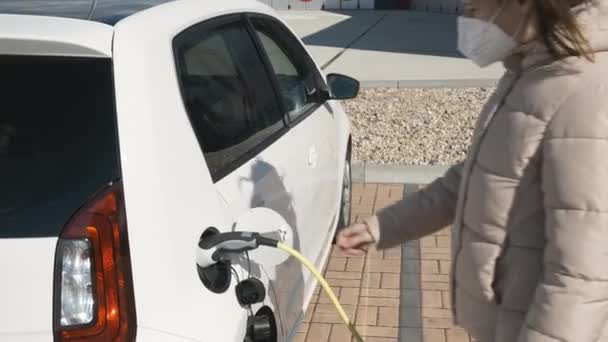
[
  {"x": 196, "y": 30},
  {"x": 320, "y": 80}
]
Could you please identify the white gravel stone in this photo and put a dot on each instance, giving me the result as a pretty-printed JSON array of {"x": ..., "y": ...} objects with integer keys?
[{"x": 414, "y": 126}]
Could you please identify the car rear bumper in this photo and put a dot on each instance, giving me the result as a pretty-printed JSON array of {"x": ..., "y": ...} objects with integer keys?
[
  {"x": 40, "y": 336},
  {"x": 152, "y": 335}
]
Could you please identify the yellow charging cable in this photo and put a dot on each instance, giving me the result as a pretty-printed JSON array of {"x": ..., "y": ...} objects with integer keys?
[{"x": 325, "y": 286}]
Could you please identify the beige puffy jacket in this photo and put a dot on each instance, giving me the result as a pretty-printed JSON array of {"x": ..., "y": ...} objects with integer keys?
[{"x": 529, "y": 206}]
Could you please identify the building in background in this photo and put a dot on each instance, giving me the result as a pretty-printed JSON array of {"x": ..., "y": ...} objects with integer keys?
[{"x": 443, "y": 6}]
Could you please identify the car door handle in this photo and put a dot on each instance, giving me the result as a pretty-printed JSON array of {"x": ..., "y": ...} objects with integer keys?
[{"x": 313, "y": 157}]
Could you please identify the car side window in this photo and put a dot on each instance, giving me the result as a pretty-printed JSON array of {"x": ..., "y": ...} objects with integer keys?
[
  {"x": 298, "y": 79},
  {"x": 228, "y": 94}
]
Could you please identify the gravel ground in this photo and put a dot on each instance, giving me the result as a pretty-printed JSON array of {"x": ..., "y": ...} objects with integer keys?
[{"x": 414, "y": 126}]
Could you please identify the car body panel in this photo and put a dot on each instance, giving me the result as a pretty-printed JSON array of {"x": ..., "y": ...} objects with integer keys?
[
  {"x": 27, "y": 277},
  {"x": 76, "y": 9},
  {"x": 169, "y": 194},
  {"x": 106, "y": 11},
  {"x": 296, "y": 178},
  {"x": 32, "y": 35},
  {"x": 281, "y": 179},
  {"x": 152, "y": 335}
]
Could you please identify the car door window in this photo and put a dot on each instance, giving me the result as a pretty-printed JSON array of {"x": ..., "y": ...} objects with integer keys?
[
  {"x": 298, "y": 79},
  {"x": 228, "y": 94}
]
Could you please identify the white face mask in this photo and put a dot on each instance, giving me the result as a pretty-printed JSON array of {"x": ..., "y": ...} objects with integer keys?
[{"x": 483, "y": 42}]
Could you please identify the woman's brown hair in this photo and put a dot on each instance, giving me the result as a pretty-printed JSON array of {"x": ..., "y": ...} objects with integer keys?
[{"x": 558, "y": 28}]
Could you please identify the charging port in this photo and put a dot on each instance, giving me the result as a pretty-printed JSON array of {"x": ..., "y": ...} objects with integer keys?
[
  {"x": 262, "y": 327},
  {"x": 215, "y": 277}
]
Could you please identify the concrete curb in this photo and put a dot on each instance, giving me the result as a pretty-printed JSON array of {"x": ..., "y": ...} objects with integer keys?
[
  {"x": 396, "y": 174},
  {"x": 448, "y": 83}
]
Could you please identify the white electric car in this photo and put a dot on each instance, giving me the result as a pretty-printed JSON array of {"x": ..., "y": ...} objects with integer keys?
[{"x": 129, "y": 129}]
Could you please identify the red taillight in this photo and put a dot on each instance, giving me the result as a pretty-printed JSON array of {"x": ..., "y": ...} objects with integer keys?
[{"x": 93, "y": 296}]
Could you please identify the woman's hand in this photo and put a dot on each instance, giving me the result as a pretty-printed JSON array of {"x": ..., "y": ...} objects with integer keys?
[{"x": 356, "y": 239}]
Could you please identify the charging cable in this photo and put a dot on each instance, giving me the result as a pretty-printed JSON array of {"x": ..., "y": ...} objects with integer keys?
[{"x": 324, "y": 285}]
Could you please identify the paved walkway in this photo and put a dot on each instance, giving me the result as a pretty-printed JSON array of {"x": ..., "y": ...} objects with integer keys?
[
  {"x": 389, "y": 48},
  {"x": 400, "y": 294}
]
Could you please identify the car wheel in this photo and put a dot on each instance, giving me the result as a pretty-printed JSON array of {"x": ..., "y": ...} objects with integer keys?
[{"x": 346, "y": 203}]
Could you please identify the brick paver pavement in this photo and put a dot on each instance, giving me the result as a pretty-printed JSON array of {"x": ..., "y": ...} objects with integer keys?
[{"x": 400, "y": 294}]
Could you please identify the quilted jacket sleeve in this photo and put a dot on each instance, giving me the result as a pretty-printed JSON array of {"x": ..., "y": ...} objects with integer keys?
[
  {"x": 421, "y": 213},
  {"x": 571, "y": 299}
]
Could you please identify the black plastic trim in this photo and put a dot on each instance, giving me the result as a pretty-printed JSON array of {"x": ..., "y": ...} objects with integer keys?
[
  {"x": 207, "y": 275},
  {"x": 321, "y": 84},
  {"x": 267, "y": 66}
]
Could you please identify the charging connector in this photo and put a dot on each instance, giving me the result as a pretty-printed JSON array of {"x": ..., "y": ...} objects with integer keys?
[{"x": 213, "y": 248}]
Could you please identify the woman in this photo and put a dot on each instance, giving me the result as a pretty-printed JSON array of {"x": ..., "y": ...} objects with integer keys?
[{"x": 529, "y": 206}]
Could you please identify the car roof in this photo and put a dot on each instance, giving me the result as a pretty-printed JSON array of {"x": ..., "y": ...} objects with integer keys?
[
  {"x": 105, "y": 11},
  {"x": 85, "y": 27},
  {"x": 50, "y": 36}
]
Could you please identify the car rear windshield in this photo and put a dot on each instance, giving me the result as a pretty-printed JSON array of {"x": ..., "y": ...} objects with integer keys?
[{"x": 58, "y": 141}]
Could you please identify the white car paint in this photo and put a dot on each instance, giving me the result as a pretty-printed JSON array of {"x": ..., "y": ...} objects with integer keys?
[
  {"x": 39, "y": 35},
  {"x": 281, "y": 178},
  {"x": 170, "y": 197},
  {"x": 26, "y": 289}
]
